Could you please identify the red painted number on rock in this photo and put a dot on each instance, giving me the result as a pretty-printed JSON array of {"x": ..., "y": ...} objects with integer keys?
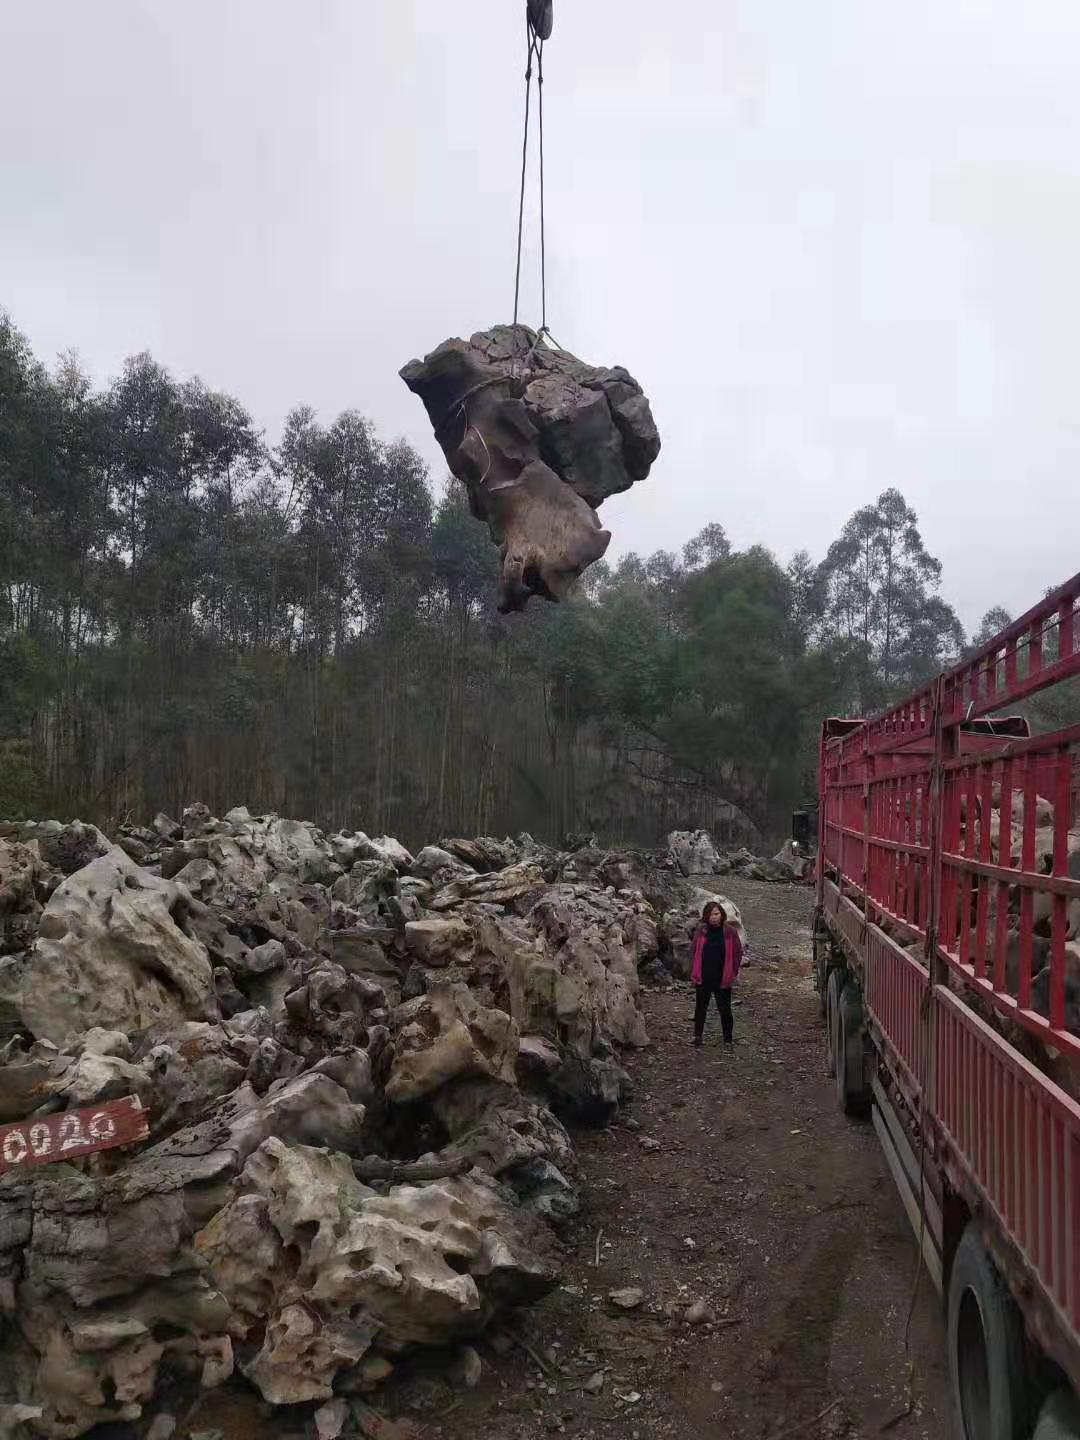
[{"x": 75, "y": 1132}]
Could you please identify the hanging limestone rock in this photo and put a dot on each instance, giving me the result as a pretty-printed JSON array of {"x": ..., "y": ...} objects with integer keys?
[{"x": 539, "y": 439}]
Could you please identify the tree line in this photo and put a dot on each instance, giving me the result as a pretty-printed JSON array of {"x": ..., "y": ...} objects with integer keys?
[{"x": 190, "y": 612}]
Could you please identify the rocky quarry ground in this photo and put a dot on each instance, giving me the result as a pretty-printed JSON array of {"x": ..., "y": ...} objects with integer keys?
[{"x": 357, "y": 1067}]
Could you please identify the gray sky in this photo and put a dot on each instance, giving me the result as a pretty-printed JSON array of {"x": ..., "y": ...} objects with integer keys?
[{"x": 838, "y": 243}]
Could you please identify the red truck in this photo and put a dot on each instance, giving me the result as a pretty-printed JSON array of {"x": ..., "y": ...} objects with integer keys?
[{"x": 947, "y": 956}]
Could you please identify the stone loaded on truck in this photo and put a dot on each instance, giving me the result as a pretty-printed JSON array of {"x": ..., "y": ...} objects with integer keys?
[{"x": 947, "y": 955}]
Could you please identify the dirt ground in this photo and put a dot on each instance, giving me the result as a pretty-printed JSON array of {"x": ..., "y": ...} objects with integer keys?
[{"x": 733, "y": 1181}]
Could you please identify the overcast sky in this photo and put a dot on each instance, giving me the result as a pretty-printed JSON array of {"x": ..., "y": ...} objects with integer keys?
[{"x": 838, "y": 243}]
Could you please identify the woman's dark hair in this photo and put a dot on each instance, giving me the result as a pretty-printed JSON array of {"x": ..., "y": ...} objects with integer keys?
[{"x": 710, "y": 906}]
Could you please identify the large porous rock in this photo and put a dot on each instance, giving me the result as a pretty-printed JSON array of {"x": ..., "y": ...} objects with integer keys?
[
  {"x": 186, "y": 1069},
  {"x": 501, "y": 887},
  {"x": 111, "y": 952},
  {"x": 501, "y": 1132},
  {"x": 437, "y": 865},
  {"x": 311, "y": 1109},
  {"x": 330, "y": 1010},
  {"x": 68, "y": 848},
  {"x": 323, "y": 1269},
  {"x": 29, "y": 1078},
  {"x": 588, "y": 1091},
  {"x": 386, "y": 849},
  {"x": 594, "y": 999},
  {"x": 539, "y": 438},
  {"x": 693, "y": 852},
  {"x": 21, "y": 877},
  {"x": 447, "y": 1033},
  {"x": 484, "y": 854},
  {"x": 436, "y": 941},
  {"x": 98, "y": 1279},
  {"x": 366, "y": 885},
  {"x": 359, "y": 951}
]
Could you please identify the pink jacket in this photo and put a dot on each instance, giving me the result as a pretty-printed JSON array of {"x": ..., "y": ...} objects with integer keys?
[{"x": 733, "y": 954}]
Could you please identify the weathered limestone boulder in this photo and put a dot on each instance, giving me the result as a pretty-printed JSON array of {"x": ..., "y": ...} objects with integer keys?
[
  {"x": 366, "y": 885},
  {"x": 438, "y": 865},
  {"x": 446, "y": 1034},
  {"x": 68, "y": 848},
  {"x": 438, "y": 942},
  {"x": 293, "y": 847},
  {"x": 312, "y": 1109},
  {"x": 504, "y": 1134},
  {"x": 110, "y": 952},
  {"x": 186, "y": 1069},
  {"x": 95, "y": 1268},
  {"x": 693, "y": 852},
  {"x": 29, "y": 1078},
  {"x": 499, "y": 888},
  {"x": 595, "y": 994},
  {"x": 588, "y": 1091},
  {"x": 357, "y": 952},
  {"x": 539, "y": 439},
  {"x": 92, "y": 1079},
  {"x": 168, "y": 828},
  {"x": 386, "y": 849},
  {"x": 331, "y": 1009},
  {"x": 420, "y": 1265},
  {"x": 101, "y": 1278},
  {"x": 538, "y": 1059},
  {"x": 21, "y": 876},
  {"x": 484, "y": 854}
]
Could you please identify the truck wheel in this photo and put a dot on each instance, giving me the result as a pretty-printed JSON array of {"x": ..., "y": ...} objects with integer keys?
[
  {"x": 832, "y": 998},
  {"x": 986, "y": 1350},
  {"x": 1059, "y": 1419},
  {"x": 851, "y": 1087}
]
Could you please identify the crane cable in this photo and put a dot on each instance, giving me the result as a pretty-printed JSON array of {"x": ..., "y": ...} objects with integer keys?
[{"x": 535, "y": 34}]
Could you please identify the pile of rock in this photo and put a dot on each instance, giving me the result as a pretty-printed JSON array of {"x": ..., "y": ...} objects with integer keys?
[
  {"x": 357, "y": 1066},
  {"x": 694, "y": 854}
]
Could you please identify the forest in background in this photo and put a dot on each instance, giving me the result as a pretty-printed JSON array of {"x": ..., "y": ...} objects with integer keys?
[{"x": 188, "y": 612}]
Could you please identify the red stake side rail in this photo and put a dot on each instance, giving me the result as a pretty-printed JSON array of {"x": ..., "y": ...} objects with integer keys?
[{"x": 950, "y": 874}]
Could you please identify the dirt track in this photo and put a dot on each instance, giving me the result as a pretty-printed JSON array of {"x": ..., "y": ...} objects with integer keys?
[
  {"x": 800, "y": 1246},
  {"x": 800, "y": 1250}
]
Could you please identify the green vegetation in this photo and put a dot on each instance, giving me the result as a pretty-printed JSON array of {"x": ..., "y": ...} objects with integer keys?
[{"x": 189, "y": 613}]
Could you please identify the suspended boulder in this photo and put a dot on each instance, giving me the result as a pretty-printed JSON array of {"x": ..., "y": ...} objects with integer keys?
[{"x": 539, "y": 438}]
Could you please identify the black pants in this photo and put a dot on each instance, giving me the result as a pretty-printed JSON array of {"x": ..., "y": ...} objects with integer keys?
[{"x": 705, "y": 992}]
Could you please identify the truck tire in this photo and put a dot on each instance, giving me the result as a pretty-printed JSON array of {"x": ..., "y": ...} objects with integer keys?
[
  {"x": 986, "y": 1348},
  {"x": 852, "y": 1091},
  {"x": 1059, "y": 1419},
  {"x": 832, "y": 999}
]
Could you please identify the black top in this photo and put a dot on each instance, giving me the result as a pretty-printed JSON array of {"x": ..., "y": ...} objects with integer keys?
[{"x": 712, "y": 960}]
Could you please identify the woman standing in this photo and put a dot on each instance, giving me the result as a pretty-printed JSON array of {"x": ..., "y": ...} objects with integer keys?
[{"x": 717, "y": 958}]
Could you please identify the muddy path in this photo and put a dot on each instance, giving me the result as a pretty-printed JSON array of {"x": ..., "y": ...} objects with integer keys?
[{"x": 761, "y": 1201}]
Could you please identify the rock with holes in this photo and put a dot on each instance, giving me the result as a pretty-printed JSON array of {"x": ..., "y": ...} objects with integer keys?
[
  {"x": 438, "y": 942},
  {"x": 99, "y": 1274},
  {"x": 22, "y": 876},
  {"x": 693, "y": 852},
  {"x": 111, "y": 952},
  {"x": 539, "y": 439},
  {"x": 446, "y": 1034},
  {"x": 421, "y": 1265}
]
